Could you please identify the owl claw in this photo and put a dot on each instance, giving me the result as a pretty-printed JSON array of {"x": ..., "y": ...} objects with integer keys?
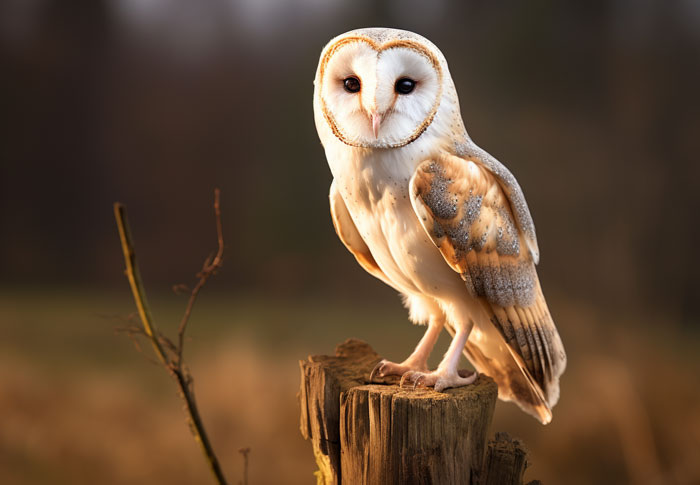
[
  {"x": 420, "y": 379},
  {"x": 406, "y": 376},
  {"x": 387, "y": 368},
  {"x": 438, "y": 379},
  {"x": 378, "y": 369}
]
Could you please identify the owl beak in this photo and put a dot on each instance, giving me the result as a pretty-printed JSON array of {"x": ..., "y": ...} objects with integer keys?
[{"x": 376, "y": 121}]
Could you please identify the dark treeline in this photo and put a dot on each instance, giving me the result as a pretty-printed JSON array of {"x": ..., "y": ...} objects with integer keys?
[{"x": 591, "y": 106}]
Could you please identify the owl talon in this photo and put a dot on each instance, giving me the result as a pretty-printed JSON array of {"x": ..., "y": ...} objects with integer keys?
[
  {"x": 378, "y": 369},
  {"x": 419, "y": 380},
  {"x": 438, "y": 379},
  {"x": 407, "y": 376},
  {"x": 387, "y": 368}
]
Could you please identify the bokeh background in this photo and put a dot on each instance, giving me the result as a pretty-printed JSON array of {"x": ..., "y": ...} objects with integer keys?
[{"x": 153, "y": 103}]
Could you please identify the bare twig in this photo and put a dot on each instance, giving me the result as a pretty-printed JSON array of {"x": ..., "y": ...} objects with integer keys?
[
  {"x": 134, "y": 276},
  {"x": 245, "y": 452},
  {"x": 180, "y": 289},
  {"x": 168, "y": 353},
  {"x": 132, "y": 331},
  {"x": 209, "y": 268}
]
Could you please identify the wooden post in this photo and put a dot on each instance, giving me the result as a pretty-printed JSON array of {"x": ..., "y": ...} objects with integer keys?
[
  {"x": 377, "y": 433},
  {"x": 505, "y": 462}
]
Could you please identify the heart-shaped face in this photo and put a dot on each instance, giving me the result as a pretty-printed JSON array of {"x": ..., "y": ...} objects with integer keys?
[{"x": 379, "y": 96}]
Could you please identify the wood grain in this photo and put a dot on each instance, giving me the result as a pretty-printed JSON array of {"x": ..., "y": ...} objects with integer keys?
[{"x": 369, "y": 433}]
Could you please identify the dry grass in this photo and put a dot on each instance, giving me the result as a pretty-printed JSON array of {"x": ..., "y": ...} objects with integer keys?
[
  {"x": 116, "y": 428},
  {"x": 78, "y": 405}
]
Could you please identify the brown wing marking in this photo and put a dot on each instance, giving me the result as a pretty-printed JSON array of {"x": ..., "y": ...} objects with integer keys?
[
  {"x": 469, "y": 217},
  {"x": 350, "y": 236}
]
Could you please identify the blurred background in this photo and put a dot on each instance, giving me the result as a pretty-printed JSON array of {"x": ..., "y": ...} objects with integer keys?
[{"x": 154, "y": 103}]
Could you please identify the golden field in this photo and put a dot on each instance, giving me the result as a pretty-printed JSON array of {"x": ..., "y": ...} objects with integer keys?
[{"x": 81, "y": 405}]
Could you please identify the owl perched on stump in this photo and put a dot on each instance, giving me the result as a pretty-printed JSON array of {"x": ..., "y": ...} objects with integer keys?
[{"x": 428, "y": 212}]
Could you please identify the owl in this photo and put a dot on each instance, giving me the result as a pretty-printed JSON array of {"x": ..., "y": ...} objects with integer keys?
[{"x": 428, "y": 212}]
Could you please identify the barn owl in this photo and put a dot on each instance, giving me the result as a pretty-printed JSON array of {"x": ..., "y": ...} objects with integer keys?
[{"x": 428, "y": 212}]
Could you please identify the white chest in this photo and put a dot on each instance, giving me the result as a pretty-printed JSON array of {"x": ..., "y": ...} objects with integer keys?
[{"x": 376, "y": 193}]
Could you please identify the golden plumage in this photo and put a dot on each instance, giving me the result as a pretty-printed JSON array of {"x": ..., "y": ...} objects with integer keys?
[{"x": 469, "y": 218}]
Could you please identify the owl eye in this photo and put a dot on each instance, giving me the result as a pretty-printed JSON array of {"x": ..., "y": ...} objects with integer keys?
[
  {"x": 351, "y": 84},
  {"x": 404, "y": 85}
]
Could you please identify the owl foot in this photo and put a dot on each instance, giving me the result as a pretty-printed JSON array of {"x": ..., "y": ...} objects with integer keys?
[
  {"x": 386, "y": 368},
  {"x": 439, "y": 379}
]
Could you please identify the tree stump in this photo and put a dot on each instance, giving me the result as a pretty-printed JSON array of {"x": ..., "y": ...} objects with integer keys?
[
  {"x": 379, "y": 433},
  {"x": 505, "y": 462}
]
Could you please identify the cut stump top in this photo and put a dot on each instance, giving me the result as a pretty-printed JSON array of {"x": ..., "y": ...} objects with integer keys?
[{"x": 365, "y": 432}]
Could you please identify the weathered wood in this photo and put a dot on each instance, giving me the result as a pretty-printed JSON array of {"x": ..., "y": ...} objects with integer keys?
[
  {"x": 376, "y": 433},
  {"x": 323, "y": 379},
  {"x": 505, "y": 461},
  {"x": 396, "y": 436}
]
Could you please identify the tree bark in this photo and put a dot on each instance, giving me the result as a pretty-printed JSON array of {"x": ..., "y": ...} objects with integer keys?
[
  {"x": 506, "y": 460},
  {"x": 365, "y": 433}
]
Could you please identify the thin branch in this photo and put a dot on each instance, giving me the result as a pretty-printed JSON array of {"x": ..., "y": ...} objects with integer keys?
[
  {"x": 179, "y": 289},
  {"x": 161, "y": 344},
  {"x": 245, "y": 452},
  {"x": 184, "y": 382},
  {"x": 209, "y": 267},
  {"x": 134, "y": 276},
  {"x": 132, "y": 331}
]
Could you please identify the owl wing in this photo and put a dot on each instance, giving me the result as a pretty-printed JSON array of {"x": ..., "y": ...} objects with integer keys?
[
  {"x": 350, "y": 236},
  {"x": 469, "y": 217}
]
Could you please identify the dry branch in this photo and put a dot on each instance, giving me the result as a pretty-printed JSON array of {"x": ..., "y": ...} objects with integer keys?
[{"x": 169, "y": 354}]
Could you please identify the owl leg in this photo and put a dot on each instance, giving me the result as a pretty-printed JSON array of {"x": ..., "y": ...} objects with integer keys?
[
  {"x": 418, "y": 360},
  {"x": 447, "y": 374}
]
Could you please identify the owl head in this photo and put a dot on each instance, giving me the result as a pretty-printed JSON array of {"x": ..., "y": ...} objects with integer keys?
[{"x": 382, "y": 88}]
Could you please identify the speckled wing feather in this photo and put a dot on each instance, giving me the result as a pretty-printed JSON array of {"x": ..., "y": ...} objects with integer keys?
[
  {"x": 470, "y": 219},
  {"x": 511, "y": 188},
  {"x": 350, "y": 237}
]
